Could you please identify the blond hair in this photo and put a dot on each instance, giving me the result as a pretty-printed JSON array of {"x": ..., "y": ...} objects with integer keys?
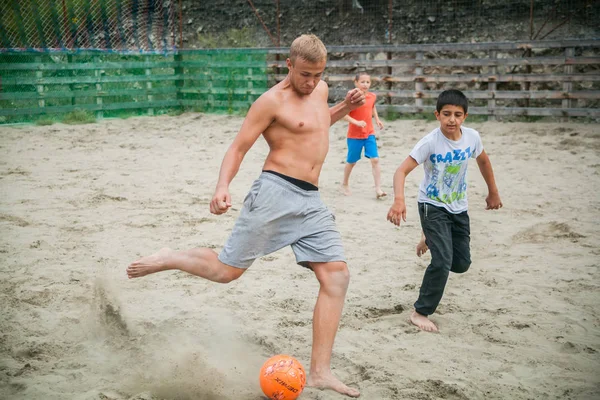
[{"x": 309, "y": 48}]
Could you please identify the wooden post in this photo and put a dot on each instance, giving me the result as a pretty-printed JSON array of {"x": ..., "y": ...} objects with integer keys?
[
  {"x": 389, "y": 85},
  {"x": 568, "y": 86},
  {"x": 419, "y": 86},
  {"x": 250, "y": 83},
  {"x": 211, "y": 97},
  {"x": 389, "y": 54},
  {"x": 179, "y": 75},
  {"x": 362, "y": 64},
  {"x": 97, "y": 74},
  {"x": 527, "y": 84},
  {"x": 149, "y": 87},
  {"x": 71, "y": 86},
  {"x": 40, "y": 88},
  {"x": 362, "y": 58},
  {"x": 492, "y": 89}
]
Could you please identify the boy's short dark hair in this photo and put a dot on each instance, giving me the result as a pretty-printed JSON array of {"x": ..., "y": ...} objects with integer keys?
[{"x": 452, "y": 97}]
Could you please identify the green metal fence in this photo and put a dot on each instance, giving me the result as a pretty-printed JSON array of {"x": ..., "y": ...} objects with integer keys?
[
  {"x": 40, "y": 86},
  {"x": 222, "y": 80}
]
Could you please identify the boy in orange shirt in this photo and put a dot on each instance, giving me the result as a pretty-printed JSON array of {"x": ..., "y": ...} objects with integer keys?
[{"x": 361, "y": 134}]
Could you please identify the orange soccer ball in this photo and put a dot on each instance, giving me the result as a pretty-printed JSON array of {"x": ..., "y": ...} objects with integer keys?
[{"x": 282, "y": 378}]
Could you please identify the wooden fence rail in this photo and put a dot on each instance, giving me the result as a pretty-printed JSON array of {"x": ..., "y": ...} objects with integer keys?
[{"x": 546, "y": 78}]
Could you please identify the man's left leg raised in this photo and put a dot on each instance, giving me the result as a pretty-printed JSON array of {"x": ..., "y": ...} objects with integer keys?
[{"x": 201, "y": 262}]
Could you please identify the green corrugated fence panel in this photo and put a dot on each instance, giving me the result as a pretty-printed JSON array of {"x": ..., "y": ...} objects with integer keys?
[
  {"x": 216, "y": 103},
  {"x": 87, "y": 66},
  {"x": 217, "y": 64},
  {"x": 240, "y": 91},
  {"x": 85, "y": 93},
  {"x": 86, "y": 79},
  {"x": 129, "y": 65},
  {"x": 89, "y": 107},
  {"x": 221, "y": 77},
  {"x": 136, "y": 78},
  {"x": 46, "y": 83}
]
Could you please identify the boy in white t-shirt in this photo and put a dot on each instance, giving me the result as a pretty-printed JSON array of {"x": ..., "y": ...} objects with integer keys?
[{"x": 444, "y": 153}]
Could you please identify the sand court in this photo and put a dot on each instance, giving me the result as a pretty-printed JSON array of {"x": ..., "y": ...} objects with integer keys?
[{"x": 79, "y": 203}]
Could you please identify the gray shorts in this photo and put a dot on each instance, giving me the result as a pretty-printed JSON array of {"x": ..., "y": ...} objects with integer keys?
[{"x": 277, "y": 213}]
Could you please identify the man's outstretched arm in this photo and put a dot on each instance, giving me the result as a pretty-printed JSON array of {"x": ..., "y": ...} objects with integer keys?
[{"x": 259, "y": 117}]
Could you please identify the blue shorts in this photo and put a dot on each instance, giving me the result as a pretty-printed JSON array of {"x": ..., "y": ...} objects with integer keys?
[{"x": 355, "y": 147}]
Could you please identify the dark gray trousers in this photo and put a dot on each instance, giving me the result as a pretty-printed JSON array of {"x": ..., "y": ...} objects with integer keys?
[{"x": 447, "y": 236}]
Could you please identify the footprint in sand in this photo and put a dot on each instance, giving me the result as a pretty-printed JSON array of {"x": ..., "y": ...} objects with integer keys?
[
  {"x": 542, "y": 232},
  {"x": 268, "y": 346},
  {"x": 14, "y": 220},
  {"x": 519, "y": 325},
  {"x": 16, "y": 171},
  {"x": 440, "y": 390},
  {"x": 289, "y": 323},
  {"x": 373, "y": 312},
  {"x": 100, "y": 198}
]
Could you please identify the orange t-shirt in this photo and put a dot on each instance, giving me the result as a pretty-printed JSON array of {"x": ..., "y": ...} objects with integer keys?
[{"x": 363, "y": 113}]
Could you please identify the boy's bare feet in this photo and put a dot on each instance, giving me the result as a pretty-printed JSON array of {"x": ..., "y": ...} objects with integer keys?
[
  {"x": 328, "y": 381},
  {"x": 345, "y": 189},
  {"x": 149, "y": 264},
  {"x": 380, "y": 194},
  {"x": 422, "y": 248},
  {"x": 423, "y": 322}
]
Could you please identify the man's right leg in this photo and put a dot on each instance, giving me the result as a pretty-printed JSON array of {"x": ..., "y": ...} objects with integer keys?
[
  {"x": 437, "y": 227},
  {"x": 201, "y": 262},
  {"x": 333, "y": 279}
]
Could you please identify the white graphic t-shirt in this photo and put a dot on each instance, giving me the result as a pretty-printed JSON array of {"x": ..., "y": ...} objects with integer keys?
[{"x": 445, "y": 162}]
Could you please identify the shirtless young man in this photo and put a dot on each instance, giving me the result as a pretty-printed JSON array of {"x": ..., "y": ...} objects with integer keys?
[{"x": 283, "y": 207}]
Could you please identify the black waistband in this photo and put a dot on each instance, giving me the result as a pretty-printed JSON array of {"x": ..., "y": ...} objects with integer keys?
[{"x": 298, "y": 182}]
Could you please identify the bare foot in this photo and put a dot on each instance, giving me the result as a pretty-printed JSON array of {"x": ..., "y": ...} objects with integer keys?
[
  {"x": 381, "y": 194},
  {"x": 423, "y": 322},
  {"x": 149, "y": 264},
  {"x": 422, "y": 248},
  {"x": 328, "y": 381},
  {"x": 345, "y": 189}
]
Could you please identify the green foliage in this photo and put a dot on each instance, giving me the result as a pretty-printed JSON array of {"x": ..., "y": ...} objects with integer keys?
[
  {"x": 391, "y": 115},
  {"x": 241, "y": 37},
  {"x": 45, "y": 15},
  {"x": 476, "y": 118},
  {"x": 233, "y": 38},
  {"x": 427, "y": 116},
  {"x": 44, "y": 122},
  {"x": 79, "y": 117},
  {"x": 198, "y": 109},
  {"x": 174, "y": 112}
]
